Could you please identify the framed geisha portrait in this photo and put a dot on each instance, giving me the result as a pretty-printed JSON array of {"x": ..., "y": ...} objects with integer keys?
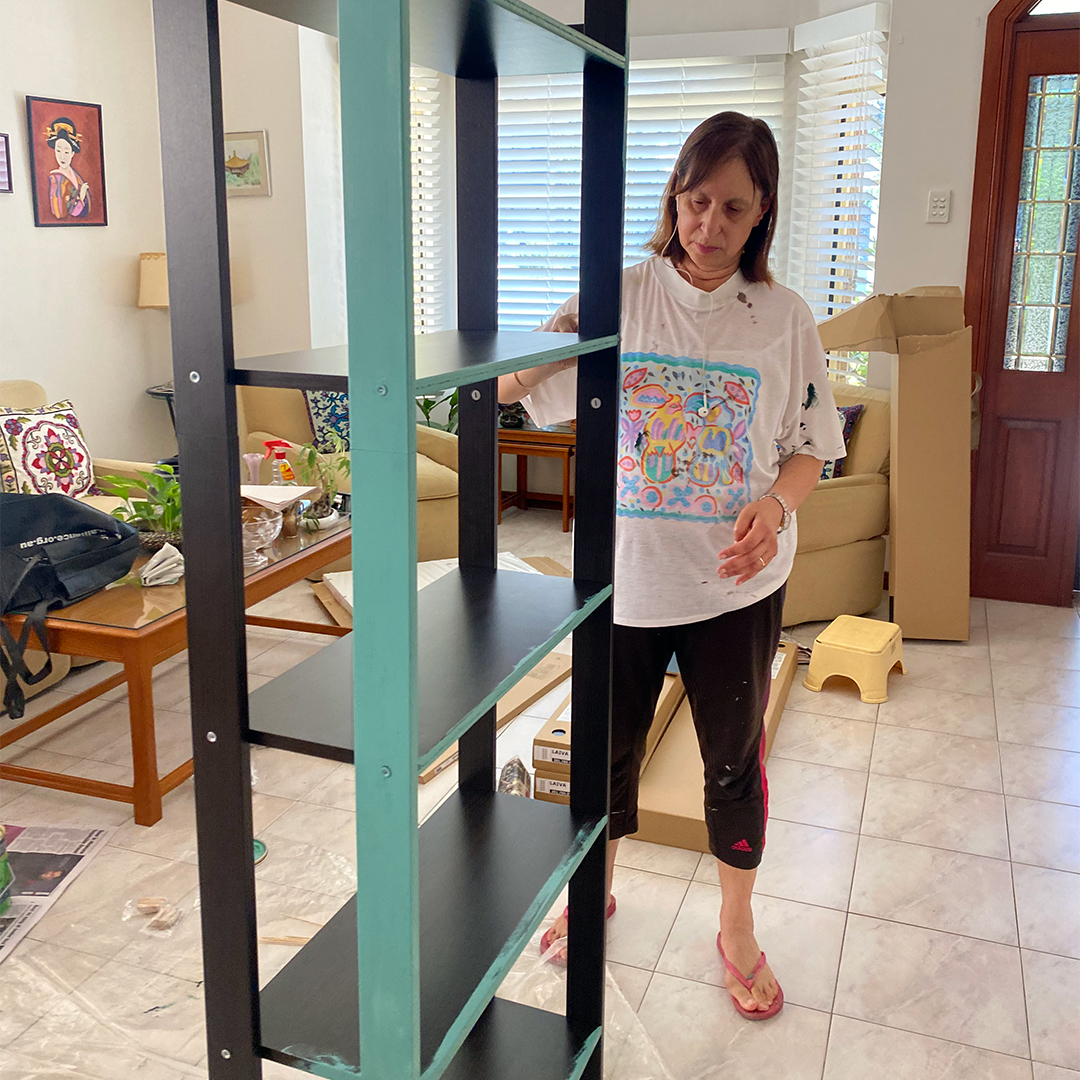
[{"x": 67, "y": 162}]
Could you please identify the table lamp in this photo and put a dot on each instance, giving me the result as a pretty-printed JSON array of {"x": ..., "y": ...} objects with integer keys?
[{"x": 153, "y": 280}]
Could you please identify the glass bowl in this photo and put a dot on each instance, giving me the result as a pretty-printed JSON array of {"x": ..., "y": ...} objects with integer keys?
[{"x": 260, "y": 527}]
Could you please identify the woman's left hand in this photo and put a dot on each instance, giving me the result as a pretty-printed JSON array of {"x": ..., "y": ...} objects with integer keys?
[{"x": 755, "y": 541}]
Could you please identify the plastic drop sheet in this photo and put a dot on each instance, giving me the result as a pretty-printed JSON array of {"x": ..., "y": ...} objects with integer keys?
[{"x": 629, "y": 1053}]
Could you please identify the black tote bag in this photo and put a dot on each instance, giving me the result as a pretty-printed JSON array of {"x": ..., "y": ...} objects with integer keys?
[{"x": 54, "y": 550}]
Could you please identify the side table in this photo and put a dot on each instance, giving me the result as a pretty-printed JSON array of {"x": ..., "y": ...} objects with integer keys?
[{"x": 557, "y": 441}]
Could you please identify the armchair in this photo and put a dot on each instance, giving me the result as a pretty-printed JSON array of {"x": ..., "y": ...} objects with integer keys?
[{"x": 840, "y": 560}]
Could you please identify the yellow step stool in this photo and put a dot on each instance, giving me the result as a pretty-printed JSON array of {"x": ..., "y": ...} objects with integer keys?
[{"x": 863, "y": 650}]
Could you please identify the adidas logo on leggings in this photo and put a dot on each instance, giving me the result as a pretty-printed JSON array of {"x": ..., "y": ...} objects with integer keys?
[{"x": 742, "y": 845}]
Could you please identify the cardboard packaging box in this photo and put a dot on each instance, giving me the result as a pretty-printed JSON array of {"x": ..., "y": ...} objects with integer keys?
[
  {"x": 551, "y": 747},
  {"x": 930, "y": 454},
  {"x": 551, "y": 787},
  {"x": 671, "y": 805}
]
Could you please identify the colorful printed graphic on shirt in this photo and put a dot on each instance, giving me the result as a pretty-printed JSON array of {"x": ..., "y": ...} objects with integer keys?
[{"x": 673, "y": 461}]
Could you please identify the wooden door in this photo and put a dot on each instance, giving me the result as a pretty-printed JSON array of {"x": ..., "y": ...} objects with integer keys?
[{"x": 1026, "y": 511}]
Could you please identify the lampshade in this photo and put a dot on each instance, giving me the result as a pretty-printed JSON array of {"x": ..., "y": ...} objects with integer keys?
[{"x": 153, "y": 280}]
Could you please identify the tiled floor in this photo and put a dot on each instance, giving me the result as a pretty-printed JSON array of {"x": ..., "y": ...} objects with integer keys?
[{"x": 919, "y": 898}]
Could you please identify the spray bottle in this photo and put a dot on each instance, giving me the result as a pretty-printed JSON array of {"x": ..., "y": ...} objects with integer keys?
[{"x": 283, "y": 475}]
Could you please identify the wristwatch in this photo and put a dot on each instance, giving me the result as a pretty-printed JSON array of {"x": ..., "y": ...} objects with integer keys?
[{"x": 786, "y": 520}]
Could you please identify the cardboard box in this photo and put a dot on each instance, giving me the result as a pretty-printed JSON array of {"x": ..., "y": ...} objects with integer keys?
[
  {"x": 552, "y": 670},
  {"x": 930, "y": 453},
  {"x": 551, "y": 787},
  {"x": 551, "y": 747},
  {"x": 671, "y": 804}
]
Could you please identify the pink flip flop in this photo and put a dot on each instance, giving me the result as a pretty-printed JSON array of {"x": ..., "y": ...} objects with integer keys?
[
  {"x": 548, "y": 938},
  {"x": 748, "y": 982}
]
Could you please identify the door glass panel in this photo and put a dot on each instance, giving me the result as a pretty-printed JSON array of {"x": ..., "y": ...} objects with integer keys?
[
  {"x": 1047, "y": 218},
  {"x": 1055, "y": 7}
]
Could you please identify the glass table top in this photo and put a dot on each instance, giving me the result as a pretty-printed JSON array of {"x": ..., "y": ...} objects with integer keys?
[{"x": 128, "y": 604}]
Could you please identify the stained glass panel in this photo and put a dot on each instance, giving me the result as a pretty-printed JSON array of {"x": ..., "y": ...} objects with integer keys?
[{"x": 1047, "y": 220}]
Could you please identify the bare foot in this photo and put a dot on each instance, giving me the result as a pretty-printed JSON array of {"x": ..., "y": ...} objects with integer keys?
[
  {"x": 742, "y": 950},
  {"x": 556, "y": 936}
]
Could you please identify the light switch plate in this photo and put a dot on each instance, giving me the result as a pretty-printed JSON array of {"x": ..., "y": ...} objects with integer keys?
[{"x": 938, "y": 207}]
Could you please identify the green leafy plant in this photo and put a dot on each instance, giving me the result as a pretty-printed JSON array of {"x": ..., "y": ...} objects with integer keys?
[
  {"x": 151, "y": 503},
  {"x": 429, "y": 403},
  {"x": 323, "y": 471}
]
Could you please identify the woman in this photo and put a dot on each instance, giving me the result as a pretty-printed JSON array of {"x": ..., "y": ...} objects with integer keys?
[
  {"x": 725, "y": 421},
  {"x": 69, "y": 194}
]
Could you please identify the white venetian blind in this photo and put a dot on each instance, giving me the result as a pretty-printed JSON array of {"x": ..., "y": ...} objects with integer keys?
[
  {"x": 428, "y": 100},
  {"x": 836, "y": 177},
  {"x": 540, "y": 164}
]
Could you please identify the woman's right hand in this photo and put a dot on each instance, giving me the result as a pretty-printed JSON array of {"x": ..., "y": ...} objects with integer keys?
[{"x": 566, "y": 324}]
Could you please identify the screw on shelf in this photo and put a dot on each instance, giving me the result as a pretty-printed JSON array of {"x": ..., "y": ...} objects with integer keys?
[
  {"x": 194, "y": 376},
  {"x": 381, "y": 390},
  {"x": 386, "y": 771},
  {"x": 226, "y": 1054},
  {"x": 595, "y": 403},
  {"x": 476, "y": 395},
  {"x": 211, "y": 736}
]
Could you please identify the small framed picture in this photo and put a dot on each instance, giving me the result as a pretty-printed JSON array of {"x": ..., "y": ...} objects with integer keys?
[
  {"x": 67, "y": 162},
  {"x": 5, "y": 164},
  {"x": 247, "y": 168}
]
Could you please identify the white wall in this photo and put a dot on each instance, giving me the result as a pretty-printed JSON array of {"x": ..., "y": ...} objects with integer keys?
[
  {"x": 260, "y": 89},
  {"x": 67, "y": 295}
]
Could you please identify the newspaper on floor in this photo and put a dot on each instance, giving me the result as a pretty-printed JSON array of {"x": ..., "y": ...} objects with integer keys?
[{"x": 45, "y": 860}]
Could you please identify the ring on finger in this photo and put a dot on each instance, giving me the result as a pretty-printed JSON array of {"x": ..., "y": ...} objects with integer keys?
[{"x": 761, "y": 560}]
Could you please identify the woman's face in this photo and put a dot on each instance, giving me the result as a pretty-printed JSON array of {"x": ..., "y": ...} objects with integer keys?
[
  {"x": 64, "y": 153},
  {"x": 716, "y": 218}
]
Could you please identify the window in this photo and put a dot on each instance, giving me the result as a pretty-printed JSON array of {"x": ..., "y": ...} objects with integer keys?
[
  {"x": 540, "y": 164},
  {"x": 1047, "y": 219},
  {"x": 836, "y": 177},
  {"x": 429, "y": 97}
]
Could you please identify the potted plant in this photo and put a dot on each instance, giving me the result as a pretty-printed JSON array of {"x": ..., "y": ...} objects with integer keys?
[
  {"x": 429, "y": 403},
  {"x": 151, "y": 504},
  {"x": 324, "y": 472}
]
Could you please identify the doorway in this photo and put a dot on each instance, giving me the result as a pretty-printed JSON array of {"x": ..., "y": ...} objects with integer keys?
[{"x": 1022, "y": 263}]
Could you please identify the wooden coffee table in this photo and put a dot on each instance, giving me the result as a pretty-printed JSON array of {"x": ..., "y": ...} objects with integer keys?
[
  {"x": 141, "y": 627},
  {"x": 557, "y": 441}
]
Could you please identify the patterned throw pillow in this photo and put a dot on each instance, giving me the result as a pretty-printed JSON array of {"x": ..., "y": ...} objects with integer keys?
[
  {"x": 849, "y": 415},
  {"x": 328, "y": 411},
  {"x": 42, "y": 451}
]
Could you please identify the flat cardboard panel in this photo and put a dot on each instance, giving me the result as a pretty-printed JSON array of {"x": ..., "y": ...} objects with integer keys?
[
  {"x": 671, "y": 698},
  {"x": 877, "y": 323},
  {"x": 330, "y": 602},
  {"x": 552, "y": 670},
  {"x": 547, "y": 566},
  {"x": 930, "y": 487},
  {"x": 671, "y": 798}
]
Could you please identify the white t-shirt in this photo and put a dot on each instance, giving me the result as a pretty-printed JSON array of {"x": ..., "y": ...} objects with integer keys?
[{"x": 749, "y": 357}]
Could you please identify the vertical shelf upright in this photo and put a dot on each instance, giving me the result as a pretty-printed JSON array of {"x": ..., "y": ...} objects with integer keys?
[{"x": 400, "y": 983}]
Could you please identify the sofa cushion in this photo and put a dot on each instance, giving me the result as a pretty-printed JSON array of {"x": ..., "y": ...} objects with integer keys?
[
  {"x": 42, "y": 451},
  {"x": 868, "y": 451},
  {"x": 849, "y": 417},
  {"x": 434, "y": 481},
  {"x": 843, "y": 511},
  {"x": 328, "y": 411}
]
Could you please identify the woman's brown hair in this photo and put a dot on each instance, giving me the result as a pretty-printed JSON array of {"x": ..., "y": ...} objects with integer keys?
[{"x": 711, "y": 144}]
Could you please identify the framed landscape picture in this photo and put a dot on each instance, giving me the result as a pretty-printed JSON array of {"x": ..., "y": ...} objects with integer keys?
[
  {"x": 247, "y": 168},
  {"x": 67, "y": 162},
  {"x": 5, "y": 164}
]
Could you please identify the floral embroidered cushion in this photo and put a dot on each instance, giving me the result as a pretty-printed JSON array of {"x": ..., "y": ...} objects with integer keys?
[
  {"x": 328, "y": 411},
  {"x": 849, "y": 415},
  {"x": 43, "y": 452}
]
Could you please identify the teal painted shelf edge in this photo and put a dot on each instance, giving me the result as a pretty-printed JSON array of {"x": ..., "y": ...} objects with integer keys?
[
  {"x": 586, "y": 1054},
  {"x": 515, "y": 945},
  {"x": 560, "y": 29},
  {"x": 528, "y": 662}
]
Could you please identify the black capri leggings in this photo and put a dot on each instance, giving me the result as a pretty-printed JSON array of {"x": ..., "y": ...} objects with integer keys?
[{"x": 726, "y": 663}]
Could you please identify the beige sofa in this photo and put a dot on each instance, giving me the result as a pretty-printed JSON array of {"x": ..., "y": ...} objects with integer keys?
[
  {"x": 840, "y": 561},
  {"x": 265, "y": 413},
  {"x": 25, "y": 394}
]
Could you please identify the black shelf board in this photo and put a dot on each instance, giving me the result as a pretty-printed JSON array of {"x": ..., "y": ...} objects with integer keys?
[
  {"x": 472, "y": 39},
  {"x": 509, "y": 1034},
  {"x": 480, "y": 631},
  {"x": 491, "y": 866},
  {"x": 443, "y": 360}
]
